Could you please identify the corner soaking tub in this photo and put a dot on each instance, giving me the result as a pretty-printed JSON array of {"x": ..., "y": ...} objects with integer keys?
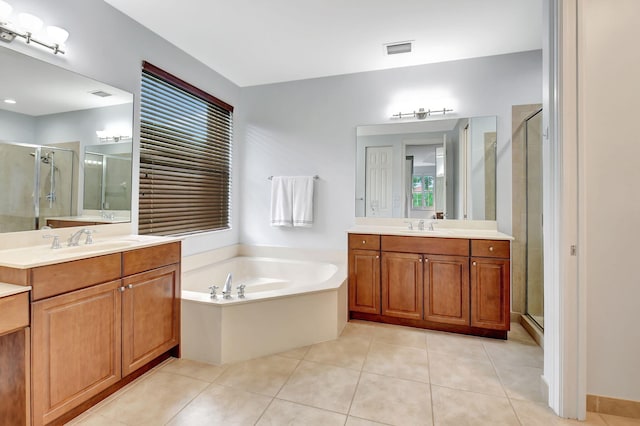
[{"x": 288, "y": 304}]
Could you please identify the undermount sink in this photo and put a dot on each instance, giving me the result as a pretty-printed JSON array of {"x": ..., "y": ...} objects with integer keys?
[{"x": 100, "y": 245}]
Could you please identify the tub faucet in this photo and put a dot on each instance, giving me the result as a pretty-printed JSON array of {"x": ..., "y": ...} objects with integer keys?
[
  {"x": 226, "y": 290},
  {"x": 212, "y": 291},
  {"x": 75, "y": 237},
  {"x": 241, "y": 288}
]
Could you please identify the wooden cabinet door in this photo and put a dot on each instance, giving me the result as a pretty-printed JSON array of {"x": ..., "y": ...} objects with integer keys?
[
  {"x": 446, "y": 289},
  {"x": 490, "y": 293},
  {"x": 364, "y": 281},
  {"x": 14, "y": 378},
  {"x": 402, "y": 285},
  {"x": 150, "y": 316},
  {"x": 75, "y": 348}
]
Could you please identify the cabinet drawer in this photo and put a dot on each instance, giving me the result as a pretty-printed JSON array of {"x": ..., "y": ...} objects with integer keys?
[
  {"x": 364, "y": 241},
  {"x": 426, "y": 245},
  {"x": 51, "y": 280},
  {"x": 490, "y": 248},
  {"x": 145, "y": 259},
  {"x": 14, "y": 312}
]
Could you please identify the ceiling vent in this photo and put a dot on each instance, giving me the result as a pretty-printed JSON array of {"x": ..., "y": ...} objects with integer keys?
[
  {"x": 399, "y": 47},
  {"x": 101, "y": 93}
]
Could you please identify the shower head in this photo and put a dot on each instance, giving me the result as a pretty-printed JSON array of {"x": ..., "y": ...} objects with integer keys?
[{"x": 44, "y": 158}]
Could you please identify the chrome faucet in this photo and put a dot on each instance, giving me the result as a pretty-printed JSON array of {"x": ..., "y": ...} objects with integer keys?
[
  {"x": 75, "y": 237},
  {"x": 431, "y": 226},
  {"x": 410, "y": 224},
  {"x": 226, "y": 289},
  {"x": 421, "y": 224}
]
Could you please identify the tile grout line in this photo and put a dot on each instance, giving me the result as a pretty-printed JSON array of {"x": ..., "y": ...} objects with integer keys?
[
  {"x": 355, "y": 391},
  {"x": 190, "y": 401},
  {"x": 433, "y": 414},
  {"x": 495, "y": 369}
]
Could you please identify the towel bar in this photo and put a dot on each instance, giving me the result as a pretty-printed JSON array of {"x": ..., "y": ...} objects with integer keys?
[{"x": 315, "y": 177}]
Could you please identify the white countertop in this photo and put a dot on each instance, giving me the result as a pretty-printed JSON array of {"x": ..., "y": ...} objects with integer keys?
[
  {"x": 11, "y": 289},
  {"x": 443, "y": 228},
  {"x": 40, "y": 255}
]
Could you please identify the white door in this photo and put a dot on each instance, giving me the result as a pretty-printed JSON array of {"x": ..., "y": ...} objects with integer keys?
[{"x": 378, "y": 181}]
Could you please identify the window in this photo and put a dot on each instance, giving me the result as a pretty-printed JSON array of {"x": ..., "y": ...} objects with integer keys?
[
  {"x": 422, "y": 191},
  {"x": 185, "y": 157}
]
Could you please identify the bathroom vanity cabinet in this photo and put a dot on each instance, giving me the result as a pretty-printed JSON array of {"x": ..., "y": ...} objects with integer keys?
[
  {"x": 14, "y": 359},
  {"x": 452, "y": 284},
  {"x": 364, "y": 273},
  {"x": 96, "y": 321}
]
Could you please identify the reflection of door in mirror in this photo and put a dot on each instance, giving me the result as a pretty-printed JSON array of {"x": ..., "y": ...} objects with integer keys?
[
  {"x": 425, "y": 179},
  {"x": 378, "y": 181}
]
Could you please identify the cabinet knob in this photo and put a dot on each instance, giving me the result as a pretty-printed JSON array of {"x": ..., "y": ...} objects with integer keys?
[
  {"x": 121, "y": 289},
  {"x": 474, "y": 263},
  {"x": 377, "y": 257},
  {"x": 490, "y": 248},
  {"x": 364, "y": 242},
  {"x": 420, "y": 260},
  {"x": 130, "y": 286}
]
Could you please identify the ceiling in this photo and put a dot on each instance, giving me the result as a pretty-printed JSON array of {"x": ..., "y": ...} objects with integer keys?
[
  {"x": 40, "y": 88},
  {"x": 253, "y": 42}
]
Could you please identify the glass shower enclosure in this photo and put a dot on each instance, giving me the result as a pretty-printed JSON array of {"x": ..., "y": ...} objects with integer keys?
[
  {"x": 534, "y": 246},
  {"x": 36, "y": 182}
]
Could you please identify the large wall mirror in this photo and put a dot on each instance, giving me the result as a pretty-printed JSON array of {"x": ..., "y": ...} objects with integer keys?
[
  {"x": 65, "y": 146},
  {"x": 436, "y": 169}
]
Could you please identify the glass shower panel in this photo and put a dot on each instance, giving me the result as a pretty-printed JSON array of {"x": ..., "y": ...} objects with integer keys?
[
  {"x": 535, "y": 265},
  {"x": 56, "y": 183},
  {"x": 17, "y": 185}
]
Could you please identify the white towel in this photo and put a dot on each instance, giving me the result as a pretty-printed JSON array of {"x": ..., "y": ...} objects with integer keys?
[
  {"x": 281, "y": 201},
  {"x": 292, "y": 201},
  {"x": 303, "y": 201}
]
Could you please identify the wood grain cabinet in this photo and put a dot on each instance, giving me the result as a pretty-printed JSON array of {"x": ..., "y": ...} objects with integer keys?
[
  {"x": 451, "y": 284},
  {"x": 446, "y": 289},
  {"x": 14, "y": 360},
  {"x": 76, "y": 348},
  {"x": 364, "y": 273},
  {"x": 490, "y": 284},
  {"x": 85, "y": 341},
  {"x": 402, "y": 285},
  {"x": 150, "y": 316}
]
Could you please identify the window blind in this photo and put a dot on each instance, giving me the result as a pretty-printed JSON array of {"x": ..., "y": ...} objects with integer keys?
[{"x": 185, "y": 157}]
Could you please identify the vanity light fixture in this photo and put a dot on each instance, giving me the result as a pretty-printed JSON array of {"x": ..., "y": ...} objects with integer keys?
[
  {"x": 421, "y": 113},
  {"x": 28, "y": 25},
  {"x": 105, "y": 136},
  {"x": 10, "y": 101}
]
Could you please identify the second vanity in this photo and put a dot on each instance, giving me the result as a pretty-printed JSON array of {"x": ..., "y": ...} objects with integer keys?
[
  {"x": 100, "y": 315},
  {"x": 452, "y": 278}
]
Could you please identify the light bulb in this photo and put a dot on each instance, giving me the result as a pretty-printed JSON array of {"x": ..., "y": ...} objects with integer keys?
[
  {"x": 5, "y": 11},
  {"x": 29, "y": 22},
  {"x": 57, "y": 35}
]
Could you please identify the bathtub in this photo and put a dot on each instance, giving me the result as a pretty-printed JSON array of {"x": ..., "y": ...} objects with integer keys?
[{"x": 289, "y": 302}]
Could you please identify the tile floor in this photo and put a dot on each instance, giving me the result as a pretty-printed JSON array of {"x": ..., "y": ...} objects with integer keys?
[{"x": 373, "y": 374}]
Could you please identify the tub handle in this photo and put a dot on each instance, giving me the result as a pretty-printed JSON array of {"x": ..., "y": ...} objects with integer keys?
[
  {"x": 241, "y": 288},
  {"x": 212, "y": 291}
]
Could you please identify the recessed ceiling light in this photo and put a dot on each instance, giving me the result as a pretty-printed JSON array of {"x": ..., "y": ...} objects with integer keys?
[
  {"x": 398, "y": 47},
  {"x": 9, "y": 101}
]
